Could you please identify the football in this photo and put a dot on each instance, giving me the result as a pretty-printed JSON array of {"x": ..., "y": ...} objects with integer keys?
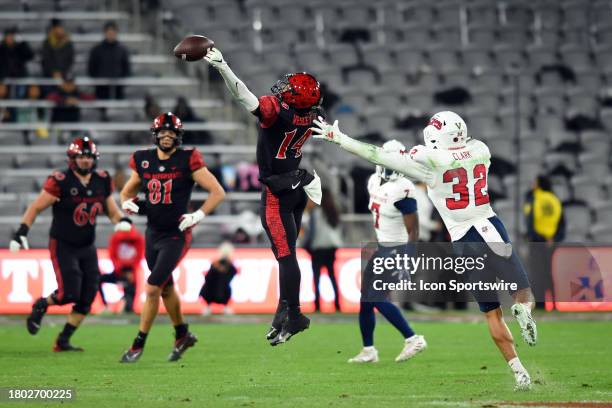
[{"x": 193, "y": 47}]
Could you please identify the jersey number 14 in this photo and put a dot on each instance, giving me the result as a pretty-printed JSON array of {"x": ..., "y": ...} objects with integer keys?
[{"x": 459, "y": 177}]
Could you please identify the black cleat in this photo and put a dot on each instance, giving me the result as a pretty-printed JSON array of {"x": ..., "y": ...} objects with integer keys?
[
  {"x": 64, "y": 345},
  {"x": 132, "y": 355},
  {"x": 181, "y": 345},
  {"x": 293, "y": 327},
  {"x": 39, "y": 308},
  {"x": 280, "y": 317}
]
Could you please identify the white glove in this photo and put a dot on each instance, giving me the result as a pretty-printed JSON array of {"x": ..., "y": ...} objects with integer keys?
[
  {"x": 130, "y": 206},
  {"x": 313, "y": 189},
  {"x": 215, "y": 58},
  {"x": 22, "y": 243},
  {"x": 123, "y": 225},
  {"x": 189, "y": 220},
  {"x": 325, "y": 131}
]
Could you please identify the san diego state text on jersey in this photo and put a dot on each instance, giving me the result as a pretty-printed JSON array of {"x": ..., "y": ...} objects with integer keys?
[
  {"x": 74, "y": 214},
  {"x": 167, "y": 184},
  {"x": 282, "y": 133}
]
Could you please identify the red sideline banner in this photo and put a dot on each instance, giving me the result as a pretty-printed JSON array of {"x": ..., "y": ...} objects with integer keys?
[
  {"x": 582, "y": 275},
  {"x": 29, "y": 274}
]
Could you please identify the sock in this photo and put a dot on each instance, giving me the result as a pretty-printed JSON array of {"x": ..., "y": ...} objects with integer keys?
[
  {"x": 180, "y": 330},
  {"x": 139, "y": 341},
  {"x": 516, "y": 365},
  {"x": 367, "y": 322},
  {"x": 369, "y": 348},
  {"x": 42, "y": 304},
  {"x": 68, "y": 331},
  {"x": 395, "y": 317},
  {"x": 290, "y": 276}
]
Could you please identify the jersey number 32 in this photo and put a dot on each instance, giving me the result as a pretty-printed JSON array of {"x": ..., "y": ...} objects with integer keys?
[{"x": 459, "y": 178}]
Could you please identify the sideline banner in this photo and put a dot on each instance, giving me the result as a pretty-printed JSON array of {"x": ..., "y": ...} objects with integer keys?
[{"x": 29, "y": 274}]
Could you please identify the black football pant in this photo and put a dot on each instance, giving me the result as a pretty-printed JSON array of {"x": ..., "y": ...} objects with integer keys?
[
  {"x": 281, "y": 217},
  {"x": 163, "y": 252},
  {"x": 77, "y": 274}
]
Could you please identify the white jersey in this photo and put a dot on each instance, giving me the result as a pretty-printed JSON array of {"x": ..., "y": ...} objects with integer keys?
[
  {"x": 388, "y": 220},
  {"x": 459, "y": 186}
]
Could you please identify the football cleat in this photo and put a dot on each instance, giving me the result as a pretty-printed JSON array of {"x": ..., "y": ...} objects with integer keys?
[
  {"x": 181, "y": 345},
  {"x": 132, "y": 355},
  {"x": 292, "y": 327},
  {"x": 367, "y": 355},
  {"x": 414, "y": 345},
  {"x": 529, "y": 331},
  {"x": 39, "y": 308},
  {"x": 280, "y": 317},
  {"x": 523, "y": 381},
  {"x": 64, "y": 345}
]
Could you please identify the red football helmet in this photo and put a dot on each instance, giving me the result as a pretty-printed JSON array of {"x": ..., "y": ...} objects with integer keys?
[
  {"x": 168, "y": 121},
  {"x": 82, "y": 146},
  {"x": 300, "y": 90}
]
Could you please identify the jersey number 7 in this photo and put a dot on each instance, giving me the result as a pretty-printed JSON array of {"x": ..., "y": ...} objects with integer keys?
[{"x": 460, "y": 187}]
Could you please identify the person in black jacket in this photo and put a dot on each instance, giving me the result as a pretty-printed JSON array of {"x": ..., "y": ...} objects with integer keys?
[
  {"x": 14, "y": 56},
  {"x": 217, "y": 287},
  {"x": 109, "y": 59},
  {"x": 57, "y": 52}
]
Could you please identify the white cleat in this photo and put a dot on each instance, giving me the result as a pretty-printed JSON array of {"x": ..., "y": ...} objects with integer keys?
[
  {"x": 414, "y": 345},
  {"x": 365, "y": 356},
  {"x": 529, "y": 331},
  {"x": 523, "y": 381}
]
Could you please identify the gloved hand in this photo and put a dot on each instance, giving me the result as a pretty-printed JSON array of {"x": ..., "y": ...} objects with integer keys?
[
  {"x": 313, "y": 189},
  {"x": 189, "y": 220},
  {"x": 325, "y": 131},
  {"x": 20, "y": 240},
  {"x": 130, "y": 206},
  {"x": 124, "y": 224},
  {"x": 215, "y": 58}
]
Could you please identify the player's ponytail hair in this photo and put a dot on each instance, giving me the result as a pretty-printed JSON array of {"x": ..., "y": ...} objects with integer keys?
[{"x": 328, "y": 206}]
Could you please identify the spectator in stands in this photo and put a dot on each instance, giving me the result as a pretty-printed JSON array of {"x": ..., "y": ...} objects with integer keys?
[
  {"x": 183, "y": 110},
  {"x": 217, "y": 287},
  {"x": 321, "y": 240},
  {"x": 545, "y": 224},
  {"x": 28, "y": 114},
  {"x": 67, "y": 98},
  {"x": 14, "y": 56},
  {"x": 6, "y": 114},
  {"x": 152, "y": 109},
  {"x": 109, "y": 59},
  {"x": 57, "y": 51}
]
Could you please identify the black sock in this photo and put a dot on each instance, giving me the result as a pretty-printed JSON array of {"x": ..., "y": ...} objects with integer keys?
[
  {"x": 289, "y": 272},
  {"x": 140, "y": 340},
  {"x": 68, "y": 331},
  {"x": 180, "y": 330},
  {"x": 42, "y": 304},
  {"x": 294, "y": 311}
]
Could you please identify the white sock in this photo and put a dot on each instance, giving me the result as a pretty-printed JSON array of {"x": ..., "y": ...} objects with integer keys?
[
  {"x": 413, "y": 337},
  {"x": 369, "y": 348},
  {"x": 516, "y": 365}
]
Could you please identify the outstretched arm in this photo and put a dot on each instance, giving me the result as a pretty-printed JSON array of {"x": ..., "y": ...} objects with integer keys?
[
  {"x": 395, "y": 160},
  {"x": 237, "y": 88}
]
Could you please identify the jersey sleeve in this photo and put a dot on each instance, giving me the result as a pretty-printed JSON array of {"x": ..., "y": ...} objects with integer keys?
[
  {"x": 404, "y": 196},
  {"x": 372, "y": 183},
  {"x": 133, "y": 162},
  {"x": 269, "y": 109},
  {"x": 52, "y": 186},
  {"x": 196, "y": 161},
  {"x": 406, "y": 205}
]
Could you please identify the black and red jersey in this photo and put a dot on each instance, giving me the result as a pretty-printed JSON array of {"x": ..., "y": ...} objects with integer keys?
[
  {"x": 283, "y": 131},
  {"x": 167, "y": 184},
  {"x": 74, "y": 214}
]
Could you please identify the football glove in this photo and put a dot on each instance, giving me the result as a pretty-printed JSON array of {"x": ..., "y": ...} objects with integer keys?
[
  {"x": 20, "y": 240},
  {"x": 215, "y": 58},
  {"x": 325, "y": 131},
  {"x": 313, "y": 189},
  {"x": 130, "y": 206},
  {"x": 124, "y": 225},
  {"x": 189, "y": 220}
]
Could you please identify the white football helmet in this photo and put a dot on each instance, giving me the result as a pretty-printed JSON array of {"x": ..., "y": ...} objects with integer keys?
[
  {"x": 386, "y": 174},
  {"x": 446, "y": 130}
]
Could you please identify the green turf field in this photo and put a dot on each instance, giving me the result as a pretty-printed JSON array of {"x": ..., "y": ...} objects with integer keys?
[{"x": 232, "y": 365}]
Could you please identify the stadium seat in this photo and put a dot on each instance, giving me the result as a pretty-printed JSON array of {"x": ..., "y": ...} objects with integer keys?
[{"x": 584, "y": 189}]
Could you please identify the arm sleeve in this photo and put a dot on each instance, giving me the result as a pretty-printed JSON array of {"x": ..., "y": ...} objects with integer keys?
[
  {"x": 238, "y": 89},
  {"x": 396, "y": 160},
  {"x": 269, "y": 108},
  {"x": 196, "y": 161},
  {"x": 52, "y": 187},
  {"x": 406, "y": 205}
]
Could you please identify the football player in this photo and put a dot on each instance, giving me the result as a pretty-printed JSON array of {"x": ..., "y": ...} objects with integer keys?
[
  {"x": 166, "y": 175},
  {"x": 395, "y": 219},
  {"x": 78, "y": 195},
  {"x": 455, "y": 169},
  {"x": 285, "y": 118}
]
